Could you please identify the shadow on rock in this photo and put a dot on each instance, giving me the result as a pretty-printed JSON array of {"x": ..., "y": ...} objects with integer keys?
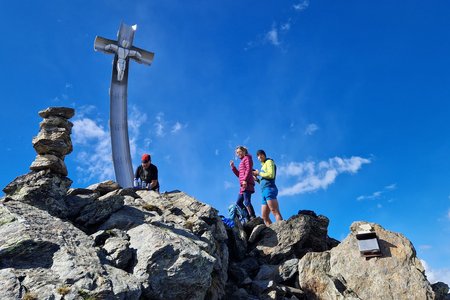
[{"x": 23, "y": 255}]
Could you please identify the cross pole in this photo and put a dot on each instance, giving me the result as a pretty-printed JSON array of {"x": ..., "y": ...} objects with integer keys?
[{"x": 123, "y": 50}]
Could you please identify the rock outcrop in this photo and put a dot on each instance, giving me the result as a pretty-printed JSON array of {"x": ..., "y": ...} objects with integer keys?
[
  {"x": 105, "y": 242},
  {"x": 342, "y": 273},
  {"x": 121, "y": 245}
]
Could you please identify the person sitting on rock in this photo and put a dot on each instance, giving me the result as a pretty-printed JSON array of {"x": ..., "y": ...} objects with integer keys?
[{"x": 147, "y": 174}]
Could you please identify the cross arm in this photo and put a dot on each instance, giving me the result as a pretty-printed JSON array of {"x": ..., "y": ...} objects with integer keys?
[
  {"x": 100, "y": 44},
  {"x": 145, "y": 58}
]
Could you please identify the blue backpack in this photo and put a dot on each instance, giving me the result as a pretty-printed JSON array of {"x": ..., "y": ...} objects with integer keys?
[{"x": 236, "y": 211}]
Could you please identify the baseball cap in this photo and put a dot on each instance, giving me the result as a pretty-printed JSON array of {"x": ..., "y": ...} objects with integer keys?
[{"x": 145, "y": 158}]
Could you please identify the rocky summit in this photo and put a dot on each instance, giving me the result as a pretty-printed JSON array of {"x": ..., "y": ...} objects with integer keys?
[{"x": 106, "y": 242}]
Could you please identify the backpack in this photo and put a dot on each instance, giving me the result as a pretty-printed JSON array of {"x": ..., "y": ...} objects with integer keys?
[{"x": 235, "y": 211}]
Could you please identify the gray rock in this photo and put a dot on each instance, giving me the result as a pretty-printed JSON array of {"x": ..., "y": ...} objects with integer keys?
[
  {"x": 237, "y": 241},
  {"x": 54, "y": 141},
  {"x": 288, "y": 269},
  {"x": 52, "y": 122},
  {"x": 255, "y": 233},
  {"x": 342, "y": 273},
  {"x": 118, "y": 252},
  {"x": 49, "y": 161},
  {"x": 238, "y": 274},
  {"x": 63, "y": 112},
  {"x": 99, "y": 210},
  {"x": 165, "y": 260},
  {"x": 77, "y": 200},
  {"x": 42, "y": 189},
  {"x": 267, "y": 272},
  {"x": 259, "y": 286},
  {"x": 40, "y": 253},
  {"x": 293, "y": 238},
  {"x": 440, "y": 290},
  {"x": 104, "y": 187}
]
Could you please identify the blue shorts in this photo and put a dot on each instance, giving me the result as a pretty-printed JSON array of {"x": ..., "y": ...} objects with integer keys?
[{"x": 268, "y": 193}]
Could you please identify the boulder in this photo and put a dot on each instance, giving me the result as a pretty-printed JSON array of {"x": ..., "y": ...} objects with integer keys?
[
  {"x": 104, "y": 187},
  {"x": 42, "y": 189},
  {"x": 99, "y": 210},
  {"x": 49, "y": 161},
  {"x": 63, "y": 112},
  {"x": 54, "y": 141},
  {"x": 293, "y": 238},
  {"x": 342, "y": 273},
  {"x": 40, "y": 255},
  {"x": 440, "y": 290}
]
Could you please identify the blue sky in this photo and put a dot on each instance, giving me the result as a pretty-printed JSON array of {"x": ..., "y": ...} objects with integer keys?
[{"x": 351, "y": 100}]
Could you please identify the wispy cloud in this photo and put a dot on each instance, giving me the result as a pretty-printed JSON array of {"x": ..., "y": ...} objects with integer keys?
[
  {"x": 391, "y": 186},
  {"x": 177, "y": 127},
  {"x": 435, "y": 275},
  {"x": 311, "y": 176},
  {"x": 301, "y": 5},
  {"x": 378, "y": 194},
  {"x": 161, "y": 125},
  {"x": 311, "y": 128},
  {"x": 273, "y": 36},
  {"x": 85, "y": 130}
]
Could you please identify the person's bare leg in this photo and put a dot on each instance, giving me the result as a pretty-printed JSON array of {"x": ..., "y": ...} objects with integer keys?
[
  {"x": 273, "y": 206},
  {"x": 265, "y": 211}
]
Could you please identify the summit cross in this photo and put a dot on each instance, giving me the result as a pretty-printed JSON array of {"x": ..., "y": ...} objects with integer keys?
[{"x": 123, "y": 50}]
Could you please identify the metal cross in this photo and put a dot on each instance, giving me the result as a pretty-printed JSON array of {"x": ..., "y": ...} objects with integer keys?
[{"x": 123, "y": 50}]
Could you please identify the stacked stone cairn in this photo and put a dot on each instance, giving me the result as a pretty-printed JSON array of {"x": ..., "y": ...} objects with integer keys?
[{"x": 53, "y": 142}]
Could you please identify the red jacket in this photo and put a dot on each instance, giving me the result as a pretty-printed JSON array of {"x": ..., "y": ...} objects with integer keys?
[{"x": 245, "y": 174}]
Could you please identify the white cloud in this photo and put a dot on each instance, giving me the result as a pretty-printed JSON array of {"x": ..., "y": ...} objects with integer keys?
[
  {"x": 375, "y": 195},
  {"x": 85, "y": 130},
  {"x": 378, "y": 194},
  {"x": 176, "y": 127},
  {"x": 435, "y": 275},
  {"x": 272, "y": 36},
  {"x": 286, "y": 26},
  {"x": 159, "y": 124},
  {"x": 84, "y": 110},
  {"x": 301, "y": 5},
  {"x": 312, "y": 176},
  {"x": 95, "y": 160},
  {"x": 391, "y": 186},
  {"x": 311, "y": 128},
  {"x": 135, "y": 120}
]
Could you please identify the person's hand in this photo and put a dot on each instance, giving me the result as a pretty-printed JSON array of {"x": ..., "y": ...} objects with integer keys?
[
  {"x": 255, "y": 172},
  {"x": 232, "y": 163},
  {"x": 244, "y": 184}
]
